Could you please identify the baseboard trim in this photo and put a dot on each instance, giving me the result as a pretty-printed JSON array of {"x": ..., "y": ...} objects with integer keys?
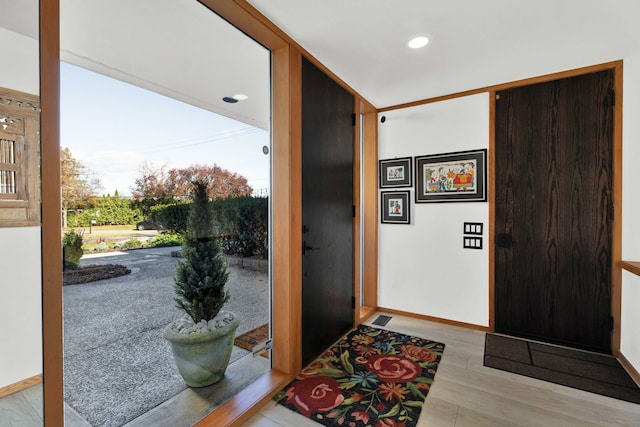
[
  {"x": 20, "y": 385},
  {"x": 365, "y": 312},
  {"x": 435, "y": 319},
  {"x": 631, "y": 370}
]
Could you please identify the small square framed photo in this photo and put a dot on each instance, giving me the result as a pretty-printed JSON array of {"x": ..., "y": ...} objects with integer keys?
[
  {"x": 395, "y": 207},
  {"x": 396, "y": 172}
]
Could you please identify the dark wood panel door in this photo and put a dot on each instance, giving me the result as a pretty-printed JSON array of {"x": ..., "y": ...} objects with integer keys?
[
  {"x": 327, "y": 211},
  {"x": 554, "y": 144}
]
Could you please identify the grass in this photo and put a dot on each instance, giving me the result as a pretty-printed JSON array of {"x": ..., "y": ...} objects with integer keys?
[
  {"x": 105, "y": 232},
  {"x": 118, "y": 237},
  {"x": 98, "y": 228}
]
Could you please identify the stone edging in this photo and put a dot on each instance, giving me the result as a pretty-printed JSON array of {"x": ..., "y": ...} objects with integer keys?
[{"x": 248, "y": 263}]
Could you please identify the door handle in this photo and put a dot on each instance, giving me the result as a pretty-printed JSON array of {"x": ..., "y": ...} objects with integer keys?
[
  {"x": 503, "y": 240},
  {"x": 306, "y": 247}
]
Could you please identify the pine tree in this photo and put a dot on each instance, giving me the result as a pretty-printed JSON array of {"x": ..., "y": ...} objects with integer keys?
[{"x": 201, "y": 278}]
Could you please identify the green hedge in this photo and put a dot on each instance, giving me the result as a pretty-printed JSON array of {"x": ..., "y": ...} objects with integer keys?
[
  {"x": 243, "y": 223},
  {"x": 172, "y": 218},
  {"x": 108, "y": 210}
]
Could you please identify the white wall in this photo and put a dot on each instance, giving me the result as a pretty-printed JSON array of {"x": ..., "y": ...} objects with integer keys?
[
  {"x": 631, "y": 156},
  {"x": 428, "y": 276},
  {"x": 20, "y": 304},
  {"x": 630, "y": 339},
  {"x": 20, "y": 263},
  {"x": 423, "y": 268},
  {"x": 630, "y": 333}
]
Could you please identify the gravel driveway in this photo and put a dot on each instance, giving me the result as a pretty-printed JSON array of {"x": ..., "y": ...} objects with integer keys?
[{"x": 117, "y": 366}]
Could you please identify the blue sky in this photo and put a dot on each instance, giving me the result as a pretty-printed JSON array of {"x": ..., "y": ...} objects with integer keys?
[{"x": 113, "y": 127}]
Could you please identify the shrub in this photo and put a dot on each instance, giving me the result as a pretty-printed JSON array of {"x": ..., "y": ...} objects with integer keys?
[
  {"x": 71, "y": 249},
  {"x": 242, "y": 221},
  {"x": 166, "y": 239},
  {"x": 244, "y": 226},
  {"x": 172, "y": 218},
  {"x": 78, "y": 219},
  {"x": 99, "y": 247},
  {"x": 102, "y": 247},
  {"x": 132, "y": 244},
  {"x": 107, "y": 210}
]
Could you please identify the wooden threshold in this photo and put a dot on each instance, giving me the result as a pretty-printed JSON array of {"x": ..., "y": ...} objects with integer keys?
[
  {"x": 20, "y": 385},
  {"x": 242, "y": 406}
]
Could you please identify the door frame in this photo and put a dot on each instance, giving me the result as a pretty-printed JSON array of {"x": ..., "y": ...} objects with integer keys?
[
  {"x": 616, "y": 237},
  {"x": 286, "y": 197}
]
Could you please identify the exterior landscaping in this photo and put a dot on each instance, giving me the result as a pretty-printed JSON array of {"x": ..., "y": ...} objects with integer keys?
[{"x": 242, "y": 224}]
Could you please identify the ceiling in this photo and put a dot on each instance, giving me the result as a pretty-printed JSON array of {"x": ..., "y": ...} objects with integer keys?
[
  {"x": 180, "y": 49},
  {"x": 474, "y": 43},
  {"x": 20, "y": 17},
  {"x": 177, "y": 48}
]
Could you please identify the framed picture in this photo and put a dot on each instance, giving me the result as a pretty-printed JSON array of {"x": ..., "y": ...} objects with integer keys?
[
  {"x": 395, "y": 207},
  {"x": 452, "y": 177},
  {"x": 396, "y": 173}
]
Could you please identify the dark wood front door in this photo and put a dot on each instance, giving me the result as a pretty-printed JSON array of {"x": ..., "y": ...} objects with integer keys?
[
  {"x": 327, "y": 211},
  {"x": 553, "y": 221}
]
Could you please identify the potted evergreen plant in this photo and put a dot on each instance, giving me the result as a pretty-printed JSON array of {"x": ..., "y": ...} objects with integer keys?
[{"x": 202, "y": 340}]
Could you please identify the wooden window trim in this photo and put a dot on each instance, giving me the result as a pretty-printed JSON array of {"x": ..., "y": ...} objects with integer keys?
[
  {"x": 21, "y": 208},
  {"x": 52, "y": 364}
]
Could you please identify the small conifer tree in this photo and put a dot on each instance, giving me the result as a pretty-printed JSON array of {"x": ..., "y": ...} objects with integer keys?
[{"x": 201, "y": 278}]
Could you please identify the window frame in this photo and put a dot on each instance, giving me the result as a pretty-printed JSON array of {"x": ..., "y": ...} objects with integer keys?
[{"x": 22, "y": 207}]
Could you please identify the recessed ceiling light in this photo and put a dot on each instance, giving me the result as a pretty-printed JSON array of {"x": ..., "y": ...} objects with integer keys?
[
  {"x": 235, "y": 98},
  {"x": 418, "y": 41}
]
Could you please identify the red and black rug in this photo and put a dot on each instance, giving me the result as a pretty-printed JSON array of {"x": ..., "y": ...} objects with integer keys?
[{"x": 371, "y": 377}]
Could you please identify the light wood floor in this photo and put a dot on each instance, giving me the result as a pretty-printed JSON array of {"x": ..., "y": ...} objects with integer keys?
[{"x": 465, "y": 393}]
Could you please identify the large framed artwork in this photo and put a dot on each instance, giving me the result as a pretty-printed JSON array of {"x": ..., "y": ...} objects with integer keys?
[
  {"x": 452, "y": 177},
  {"x": 395, "y": 173},
  {"x": 395, "y": 207}
]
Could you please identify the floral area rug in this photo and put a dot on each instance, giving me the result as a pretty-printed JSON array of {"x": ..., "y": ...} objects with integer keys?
[{"x": 371, "y": 377}]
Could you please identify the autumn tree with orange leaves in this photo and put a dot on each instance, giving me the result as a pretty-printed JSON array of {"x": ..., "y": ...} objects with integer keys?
[{"x": 158, "y": 186}]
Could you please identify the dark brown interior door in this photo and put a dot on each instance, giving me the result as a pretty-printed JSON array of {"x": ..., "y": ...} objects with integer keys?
[
  {"x": 554, "y": 144},
  {"x": 327, "y": 211}
]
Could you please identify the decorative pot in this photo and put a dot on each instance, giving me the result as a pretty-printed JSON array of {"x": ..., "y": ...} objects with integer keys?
[{"x": 202, "y": 357}]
